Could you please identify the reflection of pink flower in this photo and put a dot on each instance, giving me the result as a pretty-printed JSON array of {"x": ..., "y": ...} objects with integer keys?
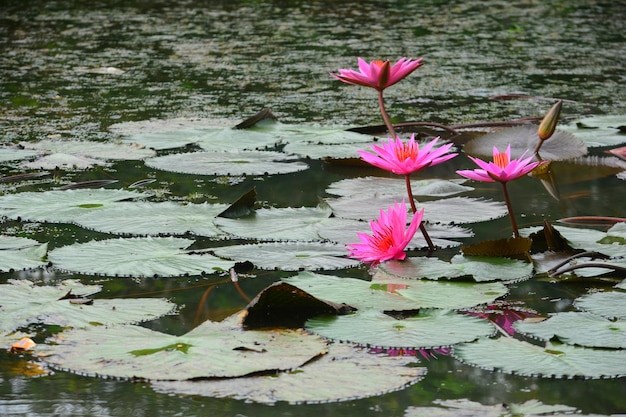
[
  {"x": 503, "y": 315},
  {"x": 406, "y": 158},
  {"x": 427, "y": 354},
  {"x": 389, "y": 236},
  {"x": 378, "y": 74},
  {"x": 502, "y": 169}
]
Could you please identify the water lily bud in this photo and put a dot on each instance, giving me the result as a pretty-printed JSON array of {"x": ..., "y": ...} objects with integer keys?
[{"x": 548, "y": 124}]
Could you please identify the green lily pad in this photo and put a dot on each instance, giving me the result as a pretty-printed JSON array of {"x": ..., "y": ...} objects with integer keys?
[
  {"x": 19, "y": 253},
  {"x": 552, "y": 361},
  {"x": 561, "y": 146},
  {"x": 90, "y": 149},
  {"x": 396, "y": 186},
  {"x": 466, "y": 408},
  {"x": 22, "y": 302},
  {"x": 227, "y": 163},
  {"x": 430, "y": 328},
  {"x": 210, "y": 350},
  {"x": 15, "y": 154},
  {"x": 612, "y": 242},
  {"x": 480, "y": 268},
  {"x": 599, "y": 130},
  {"x": 576, "y": 328},
  {"x": 609, "y": 304},
  {"x": 328, "y": 379},
  {"x": 61, "y": 206},
  {"x": 136, "y": 257},
  {"x": 163, "y": 218},
  {"x": 289, "y": 256}
]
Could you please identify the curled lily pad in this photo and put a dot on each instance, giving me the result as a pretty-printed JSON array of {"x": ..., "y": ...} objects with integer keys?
[
  {"x": 227, "y": 163},
  {"x": 136, "y": 257},
  {"x": 163, "y": 218},
  {"x": 575, "y": 328},
  {"x": 289, "y": 256},
  {"x": 430, "y": 328},
  {"x": 210, "y": 350},
  {"x": 18, "y": 253},
  {"x": 328, "y": 379},
  {"x": 22, "y": 302},
  {"x": 561, "y": 146},
  {"x": 552, "y": 361},
  {"x": 61, "y": 206}
]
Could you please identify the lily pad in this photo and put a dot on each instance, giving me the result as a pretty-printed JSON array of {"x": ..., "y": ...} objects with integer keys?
[
  {"x": 561, "y": 146},
  {"x": 552, "y": 361},
  {"x": 227, "y": 163},
  {"x": 396, "y": 186},
  {"x": 210, "y": 350},
  {"x": 328, "y": 379},
  {"x": 609, "y": 304},
  {"x": 466, "y": 408},
  {"x": 18, "y": 253},
  {"x": 480, "y": 268},
  {"x": 136, "y": 257},
  {"x": 163, "y": 218},
  {"x": 599, "y": 130},
  {"x": 430, "y": 328},
  {"x": 22, "y": 302},
  {"x": 90, "y": 149},
  {"x": 289, "y": 256},
  {"x": 61, "y": 206},
  {"x": 14, "y": 154},
  {"x": 575, "y": 328}
]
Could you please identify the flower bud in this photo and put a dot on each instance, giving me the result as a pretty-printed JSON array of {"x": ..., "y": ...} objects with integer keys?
[{"x": 548, "y": 124}]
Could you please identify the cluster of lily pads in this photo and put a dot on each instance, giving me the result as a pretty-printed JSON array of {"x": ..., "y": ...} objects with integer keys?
[{"x": 451, "y": 306}]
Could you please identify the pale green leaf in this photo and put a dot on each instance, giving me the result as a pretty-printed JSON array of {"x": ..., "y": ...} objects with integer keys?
[
  {"x": 598, "y": 130},
  {"x": 18, "y": 253},
  {"x": 369, "y": 186},
  {"x": 609, "y": 304}
]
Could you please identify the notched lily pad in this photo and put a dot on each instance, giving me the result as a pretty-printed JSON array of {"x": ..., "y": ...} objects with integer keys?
[{"x": 328, "y": 379}]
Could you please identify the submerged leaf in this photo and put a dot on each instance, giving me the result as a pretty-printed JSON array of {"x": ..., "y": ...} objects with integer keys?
[{"x": 330, "y": 378}]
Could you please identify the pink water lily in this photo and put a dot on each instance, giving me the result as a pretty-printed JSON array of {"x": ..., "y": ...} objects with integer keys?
[
  {"x": 378, "y": 74},
  {"x": 406, "y": 158},
  {"x": 390, "y": 236},
  {"x": 502, "y": 169}
]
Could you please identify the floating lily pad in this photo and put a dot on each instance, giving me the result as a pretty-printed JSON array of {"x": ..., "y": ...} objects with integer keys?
[
  {"x": 14, "y": 154},
  {"x": 136, "y": 257},
  {"x": 575, "y": 328},
  {"x": 466, "y": 408},
  {"x": 64, "y": 161},
  {"x": 22, "y": 303},
  {"x": 561, "y": 146},
  {"x": 609, "y": 304},
  {"x": 612, "y": 242},
  {"x": 289, "y": 256},
  {"x": 90, "y": 149},
  {"x": 61, "y": 206},
  {"x": 163, "y": 218},
  {"x": 320, "y": 151},
  {"x": 455, "y": 210},
  {"x": 553, "y": 361},
  {"x": 18, "y": 253},
  {"x": 227, "y": 163},
  {"x": 396, "y": 186},
  {"x": 328, "y": 379},
  {"x": 480, "y": 268},
  {"x": 430, "y": 328},
  {"x": 599, "y": 130},
  {"x": 210, "y": 350},
  {"x": 288, "y": 223}
]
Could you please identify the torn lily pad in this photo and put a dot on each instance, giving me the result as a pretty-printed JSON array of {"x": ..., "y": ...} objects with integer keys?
[
  {"x": 552, "y": 361},
  {"x": 162, "y": 218},
  {"x": 61, "y": 206},
  {"x": 22, "y": 302},
  {"x": 19, "y": 253},
  {"x": 578, "y": 328},
  {"x": 328, "y": 379},
  {"x": 228, "y": 163},
  {"x": 136, "y": 257},
  {"x": 289, "y": 256},
  {"x": 480, "y": 268},
  {"x": 210, "y": 350},
  {"x": 430, "y": 328}
]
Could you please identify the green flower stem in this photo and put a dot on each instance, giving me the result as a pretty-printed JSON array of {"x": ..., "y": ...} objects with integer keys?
[
  {"x": 510, "y": 209},
  {"x": 431, "y": 247},
  {"x": 383, "y": 112}
]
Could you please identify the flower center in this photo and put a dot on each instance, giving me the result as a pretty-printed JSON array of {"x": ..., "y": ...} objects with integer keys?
[
  {"x": 501, "y": 160},
  {"x": 378, "y": 62},
  {"x": 404, "y": 152},
  {"x": 383, "y": 240}
]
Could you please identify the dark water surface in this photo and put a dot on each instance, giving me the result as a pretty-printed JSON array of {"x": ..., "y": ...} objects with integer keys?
[{"x": 71, "y": 69}]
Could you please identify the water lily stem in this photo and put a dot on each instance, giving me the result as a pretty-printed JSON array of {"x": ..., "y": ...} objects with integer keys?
[
  {"x": 510, "y": 209},
  {"x": 431, "y": 247},
  {"x": 383, "y": 112}
]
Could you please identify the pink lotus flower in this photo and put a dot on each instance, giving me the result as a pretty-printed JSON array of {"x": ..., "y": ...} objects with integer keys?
[
  {"x": 502, "y": 169},
  {"x": 390, "y": 236},
  {"x": 378, "y": 74},
  {"x": 406, "y": 158}
]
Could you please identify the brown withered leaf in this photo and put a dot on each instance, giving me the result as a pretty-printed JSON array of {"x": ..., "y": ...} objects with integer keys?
[{"x": 510, "y": 247}]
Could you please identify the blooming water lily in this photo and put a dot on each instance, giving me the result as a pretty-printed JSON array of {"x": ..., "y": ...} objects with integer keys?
[{"x": 389, "y": 237}]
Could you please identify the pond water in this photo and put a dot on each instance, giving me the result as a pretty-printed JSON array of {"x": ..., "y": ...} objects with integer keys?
[{"x": 76, "y": 70}]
